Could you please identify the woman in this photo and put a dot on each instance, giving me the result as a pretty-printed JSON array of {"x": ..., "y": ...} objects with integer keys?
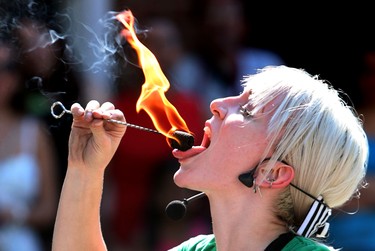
[
  {"x": 288, "y": 136},
  {"x": 28, "y": 191}
]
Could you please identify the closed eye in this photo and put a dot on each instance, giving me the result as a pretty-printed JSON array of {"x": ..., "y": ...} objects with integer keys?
[{"x": 246, "y": 112}]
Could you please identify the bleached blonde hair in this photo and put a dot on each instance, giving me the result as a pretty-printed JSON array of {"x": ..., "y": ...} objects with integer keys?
[{"x": 314, "y": 131}]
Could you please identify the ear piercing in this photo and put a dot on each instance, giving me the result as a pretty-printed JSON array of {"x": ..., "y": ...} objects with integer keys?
[{"x": 270, "y": 181}]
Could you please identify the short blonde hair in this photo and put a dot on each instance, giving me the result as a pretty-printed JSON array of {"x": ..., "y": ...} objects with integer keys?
[{"x": 314, "y": 131}]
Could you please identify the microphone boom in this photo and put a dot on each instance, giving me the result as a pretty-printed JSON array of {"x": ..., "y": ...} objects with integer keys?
[{"x": 176, "y": 209}]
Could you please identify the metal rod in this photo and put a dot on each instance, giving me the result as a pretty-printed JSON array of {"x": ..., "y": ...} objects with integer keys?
[{"x": 64, "y": 110}]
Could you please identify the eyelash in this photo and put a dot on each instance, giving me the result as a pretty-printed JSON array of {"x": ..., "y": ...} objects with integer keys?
[{"x": 246, "y": 112}]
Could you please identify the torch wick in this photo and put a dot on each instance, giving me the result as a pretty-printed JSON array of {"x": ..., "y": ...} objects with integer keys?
[{"x": 64, "y": 110}]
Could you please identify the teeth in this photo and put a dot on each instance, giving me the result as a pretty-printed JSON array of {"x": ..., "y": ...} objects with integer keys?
[
  {"x": 206, "y": 138},
  {"x": 207, "y": 131}
]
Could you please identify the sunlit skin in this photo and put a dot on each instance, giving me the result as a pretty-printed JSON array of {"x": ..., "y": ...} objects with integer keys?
[
  {"x": 237, "y": 142},
  {"x": 236, "y": 210},
  {"x": 93, "y": 143},
  {"x": 234, "y": 142},
  {"x": 89, "y": 120},
  {"x": 232, "y": 134},
  {"x": 259, "y": 130}
]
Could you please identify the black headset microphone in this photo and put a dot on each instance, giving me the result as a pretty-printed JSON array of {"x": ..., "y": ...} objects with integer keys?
[{"x": 176, "y": 209}]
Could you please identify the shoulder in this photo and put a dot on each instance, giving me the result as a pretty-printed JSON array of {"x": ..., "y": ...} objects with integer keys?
[
  {"x": 198, "y": 243},
  {"x": 305, "y": 244}
]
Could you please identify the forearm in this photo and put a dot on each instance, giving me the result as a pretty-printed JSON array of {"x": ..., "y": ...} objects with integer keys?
[{"x": 77, "y": 224}]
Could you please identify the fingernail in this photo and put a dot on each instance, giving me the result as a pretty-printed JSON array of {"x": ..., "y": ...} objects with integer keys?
[{"x": 88, "y": 115}]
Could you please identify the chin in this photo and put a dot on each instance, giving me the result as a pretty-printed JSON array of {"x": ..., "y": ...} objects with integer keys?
[
  {"x": 185, "y": 179},
  {"x": 179, "y": 179}
]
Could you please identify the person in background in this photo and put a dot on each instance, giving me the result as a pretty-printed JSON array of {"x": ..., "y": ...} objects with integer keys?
[
  {"x": 49, "y": 75},
  {"x": 225, "y": 46},
  {"x": 28, "y": 182},
  {"x": 274, "y": 161}
]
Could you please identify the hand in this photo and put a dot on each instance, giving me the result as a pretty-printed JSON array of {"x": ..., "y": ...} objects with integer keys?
[{"x": 93, "y": 141}]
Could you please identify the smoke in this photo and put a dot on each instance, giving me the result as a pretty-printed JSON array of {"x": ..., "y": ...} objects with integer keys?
[
  {"x": 108, "y": 49},
  {"x": 103, "y": 47},
  {"x": 33, "y": 25}
]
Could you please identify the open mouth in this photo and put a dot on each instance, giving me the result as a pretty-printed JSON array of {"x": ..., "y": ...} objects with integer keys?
[{"x": 195, "y": 150}]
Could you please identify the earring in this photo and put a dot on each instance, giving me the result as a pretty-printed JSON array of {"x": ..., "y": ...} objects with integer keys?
[
  {"x": 255, "y": 187},
  {"x": 271, "y": 181}
]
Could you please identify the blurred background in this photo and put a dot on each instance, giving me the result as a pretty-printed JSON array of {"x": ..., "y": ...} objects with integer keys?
[{"x": 70, "y": 51}]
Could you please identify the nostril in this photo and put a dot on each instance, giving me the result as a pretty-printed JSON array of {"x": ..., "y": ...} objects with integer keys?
[
  {"x": 220, "y": 111},
  {"x": 217, "y": 108}
]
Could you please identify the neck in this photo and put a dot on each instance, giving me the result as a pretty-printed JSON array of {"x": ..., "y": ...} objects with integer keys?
[{"x": 244, "y": 222}]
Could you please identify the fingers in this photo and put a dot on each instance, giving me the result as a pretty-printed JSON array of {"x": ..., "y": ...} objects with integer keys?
[
  {"x": 94, "y": 110},
  {"x": 77, "y": 110},
  {"x": 105, "y": 111},
  {"x": 91, "y": 106},
  {"x": 107, "y": 106},
  {"x": 92, "y": 134}
]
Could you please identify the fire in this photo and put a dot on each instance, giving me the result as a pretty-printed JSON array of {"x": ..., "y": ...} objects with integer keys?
[{"x": 152, "y": 100}]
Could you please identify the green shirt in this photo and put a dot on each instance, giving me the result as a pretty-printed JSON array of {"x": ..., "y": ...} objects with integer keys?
[{"x": 207, "y": 243}]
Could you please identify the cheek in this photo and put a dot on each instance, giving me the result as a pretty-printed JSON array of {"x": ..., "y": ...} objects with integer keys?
[
  {"x": 244, "y": 146},
  {"x": 241, "y": 136}
]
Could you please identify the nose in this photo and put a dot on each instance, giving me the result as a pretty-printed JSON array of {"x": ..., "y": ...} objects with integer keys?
[{"x": 219, "y": 108}]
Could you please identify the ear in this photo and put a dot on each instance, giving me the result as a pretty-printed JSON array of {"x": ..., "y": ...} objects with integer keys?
[{"x": 279, "y": 177}]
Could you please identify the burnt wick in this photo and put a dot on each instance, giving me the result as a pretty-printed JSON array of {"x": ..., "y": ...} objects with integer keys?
[{"x": 184, "y": 141}]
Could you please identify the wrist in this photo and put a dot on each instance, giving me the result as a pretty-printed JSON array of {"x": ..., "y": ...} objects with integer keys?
[{"x": 83, "y": 179}]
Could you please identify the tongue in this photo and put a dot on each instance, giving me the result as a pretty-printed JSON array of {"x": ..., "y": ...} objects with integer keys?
[{"x": 189, "y": 153}]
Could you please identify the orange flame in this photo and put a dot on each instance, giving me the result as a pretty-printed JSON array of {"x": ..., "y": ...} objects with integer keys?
[{"x": 152, "y": 99}]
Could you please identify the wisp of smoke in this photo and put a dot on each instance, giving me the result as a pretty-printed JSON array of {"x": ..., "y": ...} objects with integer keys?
[{"x": 107, "y": 49}]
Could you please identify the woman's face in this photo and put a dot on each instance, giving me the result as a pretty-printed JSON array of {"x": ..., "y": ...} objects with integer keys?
[{"x": 234, "y": 142}]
